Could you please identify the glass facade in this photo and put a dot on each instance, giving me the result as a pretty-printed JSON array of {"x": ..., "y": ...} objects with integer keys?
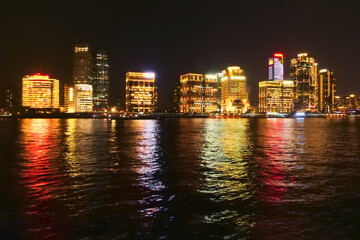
[
  {"x": 276, "y": 67},
  {"x": 82, "y": 73},
  {"x": 101, "y": 81}
]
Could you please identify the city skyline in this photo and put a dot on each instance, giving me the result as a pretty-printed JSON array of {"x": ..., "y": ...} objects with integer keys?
[
  {"x": 317, "y": 91},
  {"x": 141, "y": 45}
]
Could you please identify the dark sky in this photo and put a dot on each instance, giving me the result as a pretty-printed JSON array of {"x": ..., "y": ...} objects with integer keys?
[{"x": 175, "y": 37}]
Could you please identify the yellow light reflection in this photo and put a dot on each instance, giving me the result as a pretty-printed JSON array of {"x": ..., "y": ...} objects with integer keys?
[{"x": 226, "y": 156}]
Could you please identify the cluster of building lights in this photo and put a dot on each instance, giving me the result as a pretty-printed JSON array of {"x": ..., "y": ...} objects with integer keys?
[{"x": 307, "y": 89}]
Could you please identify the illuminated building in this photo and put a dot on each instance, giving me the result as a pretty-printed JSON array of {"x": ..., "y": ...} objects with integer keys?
[
  {"x": 337, "y": 102},
  {"x": 40, "y": 91},
  {"x": 101, "y": 81},
  {"x": 210, "y": 93},
  {"x": 234, "y": 96},
  {"x": 83, "y": 97},
  {"x": 10, "y": 98},
  {"x": 276, "y": 67},
  {"x": 69, "y": 99},
  {"x": 349, "y": 101},
  {"x": 276, "y": 96},
  {"x": 326, "y": 91},
  {"x": 304, "y": 75},
  {"x": 219, "y": 76},
  {"x": 175, "y": 98},
  {"x": 82, "y": 73},
  {"x": 191, "y": 93},
  {"x": 140, "y": 92}
]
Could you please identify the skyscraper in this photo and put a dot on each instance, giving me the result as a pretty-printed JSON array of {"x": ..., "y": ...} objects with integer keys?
[
  {"x": 304, "y": 75},
  {"x": 234, "y": 95},
  {"x": 326, "y": 91},
  {"x": 276, "y": 67},
  {"x": 40, "y": 91},
  {"x": 140, "y": 92},
  {"x": 101, "y": 81},
  {"x": 191, "y": 93},
  {"x": 82, "y": 73}
]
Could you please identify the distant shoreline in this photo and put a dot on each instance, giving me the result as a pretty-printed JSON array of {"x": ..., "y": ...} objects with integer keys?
[{"x": 159, "y": 116}]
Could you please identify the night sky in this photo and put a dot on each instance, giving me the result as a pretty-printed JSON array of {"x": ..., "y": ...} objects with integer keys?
[{"x": 177, "y": 37}]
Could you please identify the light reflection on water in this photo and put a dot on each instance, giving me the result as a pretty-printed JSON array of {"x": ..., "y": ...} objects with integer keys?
[
  {"x": 180, "y": 179},
  {"x": 41, "y": 180},
  {"x": 226, "y": 158}
]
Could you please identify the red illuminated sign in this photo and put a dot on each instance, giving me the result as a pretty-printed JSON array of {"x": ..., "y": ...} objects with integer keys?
[
  {"x": 39, "y": 76},
  {"x": 278, "y": 55}
]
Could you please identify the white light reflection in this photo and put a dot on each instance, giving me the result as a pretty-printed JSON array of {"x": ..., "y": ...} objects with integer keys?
[{"x": 148, "y": 153}]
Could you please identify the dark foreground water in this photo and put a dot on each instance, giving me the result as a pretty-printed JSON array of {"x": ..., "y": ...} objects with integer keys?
[{"x": 180, "y": 179}]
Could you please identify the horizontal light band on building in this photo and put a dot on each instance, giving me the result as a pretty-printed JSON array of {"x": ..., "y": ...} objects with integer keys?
[
  {"x": 302, "y": 54},
  {"x": 238, "y": 77},
  {"x": 211, "y": 76}
]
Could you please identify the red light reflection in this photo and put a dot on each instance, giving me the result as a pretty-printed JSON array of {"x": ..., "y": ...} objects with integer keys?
[{"x": 39, "y": 176}]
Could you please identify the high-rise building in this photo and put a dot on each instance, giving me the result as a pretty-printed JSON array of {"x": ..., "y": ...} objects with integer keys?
[
  {"x": 101, "y": 81},
  {"x": 210, "y": 93},
  {"x": 276, "y": 67},
  {"x": 83, "y": 97},
  {"x": 276, "y": 96},
  {"x": 304, "y": 75},
  {"x": 140, "y": 92},
  {"x": 234, "y": 95},
  {"x": 326, "y": 91},
  {"x": 82, "y": 69},
  {"x": 191, "y": 93},
  {"x": 40, "y": 91}
]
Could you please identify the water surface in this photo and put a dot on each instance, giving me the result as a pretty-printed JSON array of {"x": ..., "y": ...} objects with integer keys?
[{"x": 180, "y": 179}]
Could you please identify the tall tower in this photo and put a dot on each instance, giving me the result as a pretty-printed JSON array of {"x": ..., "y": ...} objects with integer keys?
[
  {"x": 101, "y": 80},
  {"x": 82, "y": 78},
  {"x": 326, "y": 92},
  {"x": 276, "y": 67},
  {"x": 304, "y": 75},
  {"x": 234, "y": 95},
  {"x": 82, "y": 64}
]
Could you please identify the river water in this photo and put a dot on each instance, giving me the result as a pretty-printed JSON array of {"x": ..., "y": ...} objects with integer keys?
[{"x": 180, "y": 179}]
